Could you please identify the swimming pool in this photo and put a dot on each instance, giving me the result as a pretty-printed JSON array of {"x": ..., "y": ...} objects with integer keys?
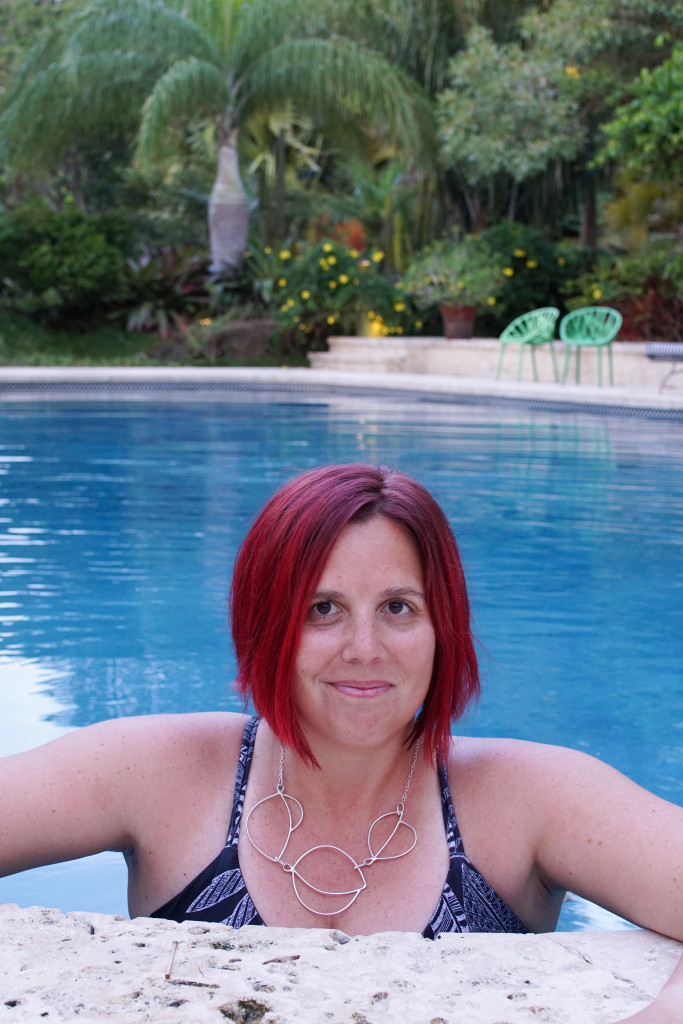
[{"x": 119, "y": 522}]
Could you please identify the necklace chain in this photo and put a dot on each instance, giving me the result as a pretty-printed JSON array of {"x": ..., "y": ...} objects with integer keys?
[{"x": 291, "y": 804}]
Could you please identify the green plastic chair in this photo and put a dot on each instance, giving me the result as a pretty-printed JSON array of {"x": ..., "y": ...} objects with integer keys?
[
  {"x": 530, "y": 330},
  {"x": 590, "y": 327}
]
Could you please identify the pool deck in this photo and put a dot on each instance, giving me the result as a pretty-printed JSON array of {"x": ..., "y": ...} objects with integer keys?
[{"x": 24, "y": 382}]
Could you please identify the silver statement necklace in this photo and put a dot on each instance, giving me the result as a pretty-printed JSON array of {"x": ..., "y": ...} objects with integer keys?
[{"x": 295, "y": 815}]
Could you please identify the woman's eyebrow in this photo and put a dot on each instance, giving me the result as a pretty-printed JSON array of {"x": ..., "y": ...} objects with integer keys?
[
  {"x": 399, "y": 591},
  {"x": 406, "y": 591}
]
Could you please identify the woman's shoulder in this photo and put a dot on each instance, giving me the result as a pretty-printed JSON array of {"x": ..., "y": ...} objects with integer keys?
[
  {"x": 141, "y": 746},
  {"x": 504, "y": 765},
  {"x": 195, "y": 736}
]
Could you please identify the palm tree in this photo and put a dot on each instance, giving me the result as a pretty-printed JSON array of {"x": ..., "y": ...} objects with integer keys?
[{"x": 169, "y": 62}]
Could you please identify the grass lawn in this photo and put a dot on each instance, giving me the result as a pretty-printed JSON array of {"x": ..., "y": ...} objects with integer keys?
[{"x": 25, "y": 343}]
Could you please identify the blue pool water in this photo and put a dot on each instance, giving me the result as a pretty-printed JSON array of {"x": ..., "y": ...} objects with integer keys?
[{"x": 119, "y": 522}]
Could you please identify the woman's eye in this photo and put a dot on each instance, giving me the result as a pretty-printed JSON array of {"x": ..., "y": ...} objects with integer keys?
[
  {"x": 323, "y": 609},
  {"x": 397, "y": 608}
]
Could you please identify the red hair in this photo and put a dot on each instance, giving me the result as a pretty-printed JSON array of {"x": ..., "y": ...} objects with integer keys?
[{"x": 277, "y": 570}]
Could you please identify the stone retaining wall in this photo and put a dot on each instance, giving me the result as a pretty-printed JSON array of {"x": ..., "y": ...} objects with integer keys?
[{"x": 478, "y": 358}]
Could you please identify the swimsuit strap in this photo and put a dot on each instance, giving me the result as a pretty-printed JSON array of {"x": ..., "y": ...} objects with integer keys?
[
  {"x": 453, "y": 837},
  {"x": 243, "y": 766}
]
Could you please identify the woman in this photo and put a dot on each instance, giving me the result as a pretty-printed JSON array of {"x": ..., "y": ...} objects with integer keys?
[{"x": 351, "y": 627}]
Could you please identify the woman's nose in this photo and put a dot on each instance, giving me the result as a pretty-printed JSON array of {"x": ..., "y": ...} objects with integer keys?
[{"x": 362, "y": 642}]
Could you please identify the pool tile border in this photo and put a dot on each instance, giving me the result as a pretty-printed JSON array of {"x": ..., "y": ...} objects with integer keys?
[{"x": 122, "y": 383}]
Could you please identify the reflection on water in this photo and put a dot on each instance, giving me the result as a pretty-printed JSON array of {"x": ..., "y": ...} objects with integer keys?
[{"x": 119, "y": 523}]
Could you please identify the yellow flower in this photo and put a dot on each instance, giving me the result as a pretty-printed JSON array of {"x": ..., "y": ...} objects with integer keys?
[
  {"x": 354, "y": 254},
  {"x": 371, "y": 315},
  {"x": 597, "y": 293},
  {"x": 327, "y": 247},
  {"x": 323, "y": 264},
  {"x": 491, "y": 300},
  {"x": 331, "y": 260},
  {"x": 267, "y": 250},
  {"x": 296, "y": 319},
  {"x": 572, "y": 71},
  {"x": 332, "y": 284},
  {"x": 561, "y": 260},
  {"x": 532, "y": 263},
  {"x": 399, "y": 306},
  {"x": 331, "y": 319},
  {"x": 377, "y": 257},
  {"x": 284, "y": 254},
  {"x": 205, "y": 322},
  {"x": 458, "y": 284},
  {"x": 343, "y": 279},
  {"x": 282, "y": 281},
  {"x": 418, "y": 323},
  {"x": 520, "y": 252},
  {"x": 508, "y": 271},
  {"x": 305, "y": 294}
]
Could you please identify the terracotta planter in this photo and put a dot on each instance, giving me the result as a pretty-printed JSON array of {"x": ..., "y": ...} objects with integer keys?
[{"x": 458, "y": 321}]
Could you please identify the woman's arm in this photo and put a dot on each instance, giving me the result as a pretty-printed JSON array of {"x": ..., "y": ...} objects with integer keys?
[
  {"x": 65, "y": 799},
  {"x": 605, "y": 838},
  {"x": 156, "y": 787},
  {"x": 614, "y": 843}
]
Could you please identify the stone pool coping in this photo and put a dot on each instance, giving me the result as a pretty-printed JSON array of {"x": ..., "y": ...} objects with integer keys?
[
  {"x": 22, "y": 382},
  {"x": 95, "y": 967}
]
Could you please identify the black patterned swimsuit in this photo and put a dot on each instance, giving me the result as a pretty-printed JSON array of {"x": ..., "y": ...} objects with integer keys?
[{"x": 218, "y": 893}]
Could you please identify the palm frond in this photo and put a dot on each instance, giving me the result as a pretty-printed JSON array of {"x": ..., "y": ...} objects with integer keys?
[
  {"x": 189, "y": 88},
  {"x": 149, "y": 25},
  {"x": 262, "y": 23},
  {"x": 328, "y": 77},
  {"x": 41, "y": 119}
]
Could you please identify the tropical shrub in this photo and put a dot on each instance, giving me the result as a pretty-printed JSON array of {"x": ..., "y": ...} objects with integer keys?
[
  {"x": 61, "y": 266},
  {"x": 535, "y": 270},
  {"x": 461, "y": 271},
  {"x": 164, "y": 290},
  {"x": 645, "y": 286},
  {"x": 334, "y": 289}
]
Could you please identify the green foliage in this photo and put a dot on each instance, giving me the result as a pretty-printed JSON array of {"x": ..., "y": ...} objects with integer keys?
[
  {"x": 334, "y": 289},
  {"x": 21, "y": 21},
  {"x": 644, "y": 286},
  {"x": 163, "y": 290},
  {"x": 504, "y": 112},
  {"x": 462, "y": 271},
  {"x": 25, "y": 342},
  {"x": 646, "y": 135},
  {"x": 161, "y": 62},
  {"x": 60, "y": 266},
  {"x": 535, "y": 270}
]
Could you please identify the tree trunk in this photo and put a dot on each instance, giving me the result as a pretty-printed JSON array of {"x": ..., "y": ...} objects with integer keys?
[
  {"x": 512, "y": 202},
  {"x": 228, "y": 211},
  {"x": 588, "y": 236},
  {"x": 280, "y": 191}
]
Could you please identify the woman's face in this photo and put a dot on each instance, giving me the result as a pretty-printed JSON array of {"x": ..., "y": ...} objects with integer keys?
[{"x": 366, "y": 654}]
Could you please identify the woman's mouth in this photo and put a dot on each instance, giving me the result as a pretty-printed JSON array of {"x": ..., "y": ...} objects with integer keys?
[{"x": 363, "y": 689}]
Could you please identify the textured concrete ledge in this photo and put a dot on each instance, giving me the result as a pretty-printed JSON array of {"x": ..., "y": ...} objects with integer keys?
[
  {"x": 19, "y": 383},
  {"x": 92, "y": 967}
]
